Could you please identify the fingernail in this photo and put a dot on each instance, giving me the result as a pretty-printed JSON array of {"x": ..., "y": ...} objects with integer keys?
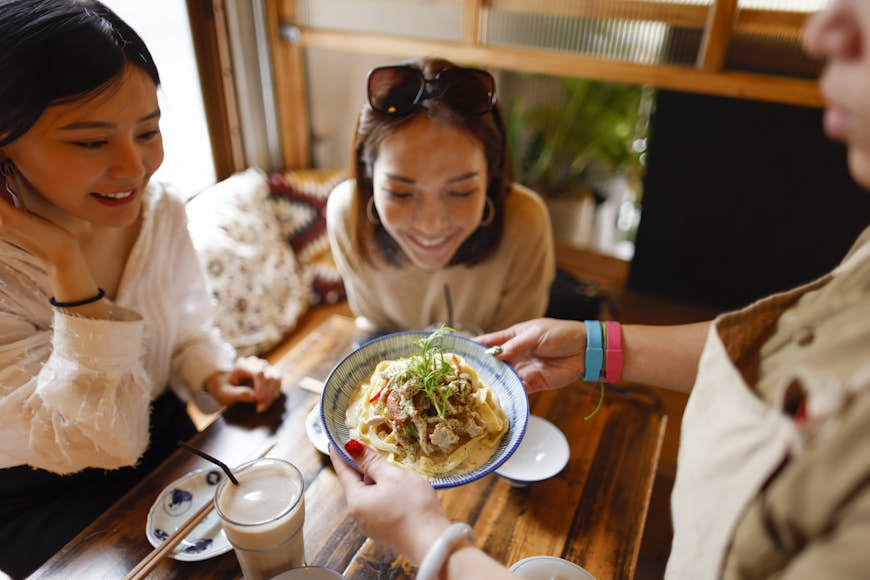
[{"x": 353, "y": 447}]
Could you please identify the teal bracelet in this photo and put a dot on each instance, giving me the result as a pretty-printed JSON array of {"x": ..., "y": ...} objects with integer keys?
[{"x": 594, "y": 351}]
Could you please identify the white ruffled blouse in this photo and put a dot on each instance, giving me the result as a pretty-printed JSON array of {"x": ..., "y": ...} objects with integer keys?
[{"x": 75, "y": 392}]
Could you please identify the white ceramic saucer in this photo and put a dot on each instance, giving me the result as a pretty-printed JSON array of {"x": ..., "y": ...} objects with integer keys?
[
  {"x": 549, "y": 568},
  {"x": 176, "y": 504},
  {"x": 542, "y": 453},
  {"x": 315, "y": 431}
]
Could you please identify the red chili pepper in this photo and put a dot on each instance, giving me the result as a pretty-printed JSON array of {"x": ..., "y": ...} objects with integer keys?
[
  {"x": 354, "y": 447},
  {"x": 377, "y": 395}
]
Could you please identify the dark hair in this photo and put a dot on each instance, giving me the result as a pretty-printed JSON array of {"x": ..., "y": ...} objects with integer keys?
[
  {"x": 488, "y": 129},
  {"x": 57, "y": 51}
]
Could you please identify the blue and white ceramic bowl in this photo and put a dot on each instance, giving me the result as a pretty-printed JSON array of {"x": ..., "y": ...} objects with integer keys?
[
  {"x": 360, "y": 364},
  {"x": 176, "y": 504}
]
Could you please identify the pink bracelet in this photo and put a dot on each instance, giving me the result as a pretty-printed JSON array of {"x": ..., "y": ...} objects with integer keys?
[{"x": 613, "y": 354}]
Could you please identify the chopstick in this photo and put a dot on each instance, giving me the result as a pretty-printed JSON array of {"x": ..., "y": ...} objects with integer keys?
[{"x": 147, "y": 564}]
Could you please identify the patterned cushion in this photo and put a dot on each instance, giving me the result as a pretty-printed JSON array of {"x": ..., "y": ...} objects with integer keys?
[
  {"x": 299, "y": 199},
  {"x": 259, "y": 287}
]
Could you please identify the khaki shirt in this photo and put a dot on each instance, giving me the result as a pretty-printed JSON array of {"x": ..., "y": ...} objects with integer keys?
[{"x": 812, "y": 518}]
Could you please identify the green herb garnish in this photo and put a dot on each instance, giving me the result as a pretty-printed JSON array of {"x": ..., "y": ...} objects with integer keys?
[{"x": 431, "y": 369}]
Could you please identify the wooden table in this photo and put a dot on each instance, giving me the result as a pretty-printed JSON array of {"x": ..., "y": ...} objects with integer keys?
[{"x": 592, "y": 513}]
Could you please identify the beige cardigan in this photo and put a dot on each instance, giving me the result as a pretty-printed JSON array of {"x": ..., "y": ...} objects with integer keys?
[{"x": 512, "y": 285}]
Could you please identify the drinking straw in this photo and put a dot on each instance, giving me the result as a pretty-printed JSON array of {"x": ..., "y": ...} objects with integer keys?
[{"x": 214, "y": 460}]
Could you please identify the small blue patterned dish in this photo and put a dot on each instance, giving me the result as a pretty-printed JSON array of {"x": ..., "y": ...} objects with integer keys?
[
  {"x": 359, "y": 365},
  {"x": 176, "y": 504}
]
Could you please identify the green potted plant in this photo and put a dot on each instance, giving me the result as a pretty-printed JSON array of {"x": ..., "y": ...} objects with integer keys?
[{"x": 567, "y": 149}]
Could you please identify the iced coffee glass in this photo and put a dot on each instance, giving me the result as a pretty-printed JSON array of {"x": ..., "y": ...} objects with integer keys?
[{"x": 262, "y": 516}]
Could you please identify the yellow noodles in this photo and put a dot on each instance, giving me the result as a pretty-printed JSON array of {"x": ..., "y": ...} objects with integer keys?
[{"x": 450, "y": 423}]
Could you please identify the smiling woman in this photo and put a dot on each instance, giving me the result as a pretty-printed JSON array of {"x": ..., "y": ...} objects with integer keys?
[
  {"x": 91, "y": 163},
  {"x": 431, "y": 203},
  {"x": 102, "y": 302},
  {"x": 430, "y": 227}
]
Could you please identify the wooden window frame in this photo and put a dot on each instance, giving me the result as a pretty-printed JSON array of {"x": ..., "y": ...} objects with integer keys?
[
  {"x": 211, "y": 46},
  {"x": 287, "y": 42},
  {"x": 719, "y": 22}
]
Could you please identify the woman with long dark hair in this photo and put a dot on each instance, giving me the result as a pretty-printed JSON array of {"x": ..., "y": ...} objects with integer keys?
[{"x": 102, "y": 303}]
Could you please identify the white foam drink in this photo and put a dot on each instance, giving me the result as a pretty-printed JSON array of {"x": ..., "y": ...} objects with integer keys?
[{"x": 262, "y": 516}]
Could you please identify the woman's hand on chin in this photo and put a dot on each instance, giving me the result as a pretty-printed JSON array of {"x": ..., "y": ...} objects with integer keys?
[{"x": 55, "y": 246}]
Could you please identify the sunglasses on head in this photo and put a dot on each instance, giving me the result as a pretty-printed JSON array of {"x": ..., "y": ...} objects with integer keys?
[{"x": 397, "y": 90}]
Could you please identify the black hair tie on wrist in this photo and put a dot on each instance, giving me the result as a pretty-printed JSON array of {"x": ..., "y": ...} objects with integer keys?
[{"x": 99, "y": 296}]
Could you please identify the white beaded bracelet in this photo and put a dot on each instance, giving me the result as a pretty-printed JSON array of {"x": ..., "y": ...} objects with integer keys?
[{"x": 441, "y": 548}]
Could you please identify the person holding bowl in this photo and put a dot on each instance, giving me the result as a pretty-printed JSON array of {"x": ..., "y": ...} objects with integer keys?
[{"x": 773, "y": 476}]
